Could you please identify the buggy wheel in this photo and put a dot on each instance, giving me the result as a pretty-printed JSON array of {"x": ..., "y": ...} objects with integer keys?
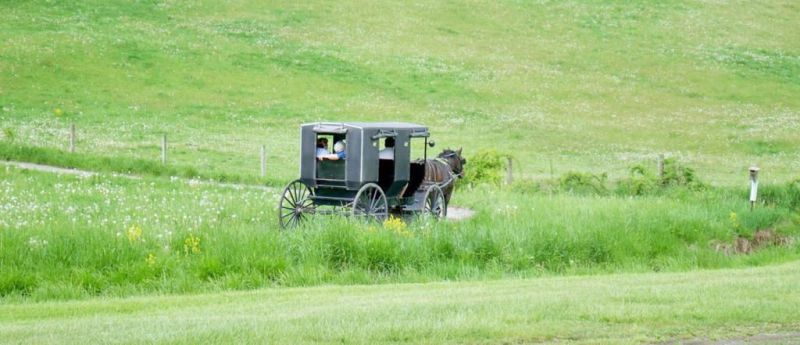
[
  {"x": 435, "y": 203},
  {"x": 370, "y": 203},
  {"x": 296, "y": 204}
]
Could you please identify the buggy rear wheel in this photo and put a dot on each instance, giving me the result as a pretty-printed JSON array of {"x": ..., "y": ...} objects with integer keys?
[
  {"x": 370, "y": 203},
  {"x": 296, "y": 204},
  {"x": 435, "y": 203}
]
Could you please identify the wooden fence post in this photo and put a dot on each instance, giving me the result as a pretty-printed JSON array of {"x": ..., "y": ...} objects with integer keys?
[
  {"x": 72, "y": 138},
  {"x": 509, "y": 171},
  {"x": 263, "y": 160},
  {"x": 164, "y": 149}
]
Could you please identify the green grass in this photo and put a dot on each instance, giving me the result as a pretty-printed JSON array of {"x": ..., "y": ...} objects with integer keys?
[
  {"x": 606, "y": 309},
  {"x": 581, "y": 86},
  {"x": 68, "y": 237},
  {"x": 577, "y": 92},
  {"x": 105, "y": 164}
]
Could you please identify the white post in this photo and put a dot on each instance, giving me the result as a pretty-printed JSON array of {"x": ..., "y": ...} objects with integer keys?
[
  {"x": 263, "y": 160},
  {"x": 753, "y": 186},
  {"x": 164, "y": 149},
  {"x": 72, "y": 138}
]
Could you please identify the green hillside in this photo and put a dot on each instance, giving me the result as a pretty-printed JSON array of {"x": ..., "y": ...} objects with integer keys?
[{"x": 591, "y": 86}]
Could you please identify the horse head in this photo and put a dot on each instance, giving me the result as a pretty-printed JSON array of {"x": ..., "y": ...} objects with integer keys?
[{"x": 454, "y": 160}]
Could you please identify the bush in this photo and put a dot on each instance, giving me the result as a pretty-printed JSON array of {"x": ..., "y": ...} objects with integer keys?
[
  {"x": 486, "y": 166},
  {"x": 583, "y": 183},
  {"x": 639, "y": 182},
  {"x": 644, "y": 181},
  {"x": 677, "y": 174}
]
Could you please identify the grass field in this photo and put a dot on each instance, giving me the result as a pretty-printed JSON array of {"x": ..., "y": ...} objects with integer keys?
[
  {"x": 618, "y": 309},
  {"x": 591, "y": 86},
  {"x": 68, "y": 237},
  {"x": 587, "y": 246}
]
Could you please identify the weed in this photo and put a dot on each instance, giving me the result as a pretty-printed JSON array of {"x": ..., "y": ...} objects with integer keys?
[{"x": 9, "y": 134}]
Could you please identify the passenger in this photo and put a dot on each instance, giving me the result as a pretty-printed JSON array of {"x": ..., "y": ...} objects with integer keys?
[
  {"x": 339, "y": 152},
  {"x": 322, "y": 147},
  {"x": 388, "y": 150}
]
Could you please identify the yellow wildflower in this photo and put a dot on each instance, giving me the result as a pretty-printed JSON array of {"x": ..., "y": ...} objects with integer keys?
[
  {"x": 191, "y": 245},
  {"x": 734, "y": 220},
  {"x": 134, "y": 233},
  {"x": 58, "y": 112},
  {"x": 150, "y": 260},
  {"x": 397, "y": 225}
]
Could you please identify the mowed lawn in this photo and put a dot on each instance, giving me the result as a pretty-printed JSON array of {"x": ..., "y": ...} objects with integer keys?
[{"x": 624, "y": 308}]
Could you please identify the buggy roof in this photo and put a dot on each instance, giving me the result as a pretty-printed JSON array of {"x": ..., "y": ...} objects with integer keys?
[{"x": 340, "y": 127}]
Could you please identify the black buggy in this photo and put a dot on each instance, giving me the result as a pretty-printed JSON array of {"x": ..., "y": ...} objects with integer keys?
[{"x": 362, "y": 184}]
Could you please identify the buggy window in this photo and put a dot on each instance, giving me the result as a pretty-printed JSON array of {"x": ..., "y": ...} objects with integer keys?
[
  {"x": 386, "y": 148},
  {"x": 329, "y": 170},
  {"x": 417, "y": 148}
]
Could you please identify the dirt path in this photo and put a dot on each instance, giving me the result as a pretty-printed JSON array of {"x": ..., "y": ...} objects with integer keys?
[
  {"x": 48, "y": 168},
  {"x": 459, "y": 213},
  {"x": 86, "y": 173},
  {"x": 453, "y": 213}
]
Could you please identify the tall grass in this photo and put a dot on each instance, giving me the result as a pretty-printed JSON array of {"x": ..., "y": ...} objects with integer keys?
[{"x": 66, "y": 237}]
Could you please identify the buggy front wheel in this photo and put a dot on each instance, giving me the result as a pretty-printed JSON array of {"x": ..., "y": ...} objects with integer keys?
[
  {"x": 296, "y": 204},
  {"x": 435, "y": 204}
]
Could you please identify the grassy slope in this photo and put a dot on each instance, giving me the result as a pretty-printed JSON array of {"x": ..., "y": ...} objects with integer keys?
[
  {"x": 591, "y": 86},
  {"x": 629, "y": 308}
]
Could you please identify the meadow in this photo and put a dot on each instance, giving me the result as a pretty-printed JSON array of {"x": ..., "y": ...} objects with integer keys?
[
  {"x": 72, "y": 237},
  {"x": 587, "y": 244},
  {"x": 563, "y": 86}
]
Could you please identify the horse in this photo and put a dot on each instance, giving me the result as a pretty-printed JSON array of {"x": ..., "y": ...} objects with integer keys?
[{"x": 444, "y": 170}]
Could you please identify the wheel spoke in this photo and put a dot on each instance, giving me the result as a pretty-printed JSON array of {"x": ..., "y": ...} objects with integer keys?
[
  {"x": 375, "y": 200},
  {"x": 291, "y": 202},
  {"x": 303, "y": 193},
  {"x": 295, "y": 192}
]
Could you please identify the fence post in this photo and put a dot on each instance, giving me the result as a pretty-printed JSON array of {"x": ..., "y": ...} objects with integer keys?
[
  {"x": 509, "y": 171},
  {"x": 753, "y": 186},
  {"x": 263, "y": 160},
  {"x": 660, "y": 166},
  {"x": 164, "y": 149},
  {"x": 72, "y": 138}
]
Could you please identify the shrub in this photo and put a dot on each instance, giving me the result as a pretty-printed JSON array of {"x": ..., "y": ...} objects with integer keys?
[
  {"x": 640, "y": 181},
  {"x": 486, "y": 166},
  {"x": 643, "y": 181},
  {"x": 677, "y": 174},
  {"x": 583, "y": 183}
]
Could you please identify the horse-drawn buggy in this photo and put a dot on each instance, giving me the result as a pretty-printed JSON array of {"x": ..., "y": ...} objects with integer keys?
[{"x": 371, "y": 174}]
